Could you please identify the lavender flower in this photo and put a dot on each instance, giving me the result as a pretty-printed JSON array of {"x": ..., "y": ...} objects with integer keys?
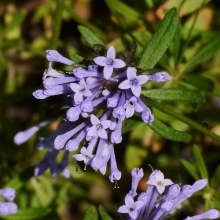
[
  {"x": 133, "y": 82},
  {"x": 8, "y": 194},
  {"x": 109, "y": 62},
  {"x": 131, "y": 207},
  {"x": 98, "y": 100},
  {"x": 54, "y": 56},
  {"x": 8, "y": 207},
  {"x": 152, "y": 210}
]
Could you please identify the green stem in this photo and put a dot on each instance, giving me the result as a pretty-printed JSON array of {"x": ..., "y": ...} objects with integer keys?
[
  {"x": 184, "y": 119},
  {"x": 57, "y": 24}
]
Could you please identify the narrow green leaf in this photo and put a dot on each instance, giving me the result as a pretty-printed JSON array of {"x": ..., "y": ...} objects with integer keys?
[
  {"x": 200, "y": 162},
  {"x": 90, "y": 37},
  {"x": 168, "y": 132},
  {"x": 28, "y": 214},
  {"x": 178, "y": 94},
  {"x": 91, "y": 214},
  {"x": 215, "y": 180},
  {"x": 104, "y": 215},
  {"x": 76, "y": 58},
  {"x": 205, "y": 52},
  {"x": 124, "y": 14},
  {"x": 191, "y": 169},
  {"x": 199, "y": 82},
  {"x": 160, "y": 40},
  {"x": 185, "y": 7}
]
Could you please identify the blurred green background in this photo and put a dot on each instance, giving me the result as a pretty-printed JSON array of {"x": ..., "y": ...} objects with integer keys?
[{"x": 28, "y": 28}]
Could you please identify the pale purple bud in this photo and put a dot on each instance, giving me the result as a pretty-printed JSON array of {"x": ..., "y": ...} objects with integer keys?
[
  {"x": 54, "y": 56},
  {"x": 147, "y": 116},
  {"x": 51, "y": 82},
  {"x": 7, "y": 208},
  {"x": 173, "y": 192},
  {"x": 199, "y": 184},
  {"x": 136, "y": 174},
  {"x": 58, "y": 90},
  {"x": 39, "y": 94},
  {"x": 73, "y": 113},
  {"x": 159, "y": 77},
  {"x": 8, "y": 194},
  {"x": 115, "y": 173},
  {"x": 22, "y": 136}
]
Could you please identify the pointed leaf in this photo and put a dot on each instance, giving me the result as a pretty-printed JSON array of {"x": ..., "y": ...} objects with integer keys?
[
  {"x": 28, "y": 214},
  {"x": 191, "y": 169},
  {"x": 178, "y": 94},
  {"x": 215, "y": 180},
  {"x": 104, "y": 215},
  {"x": 205, "y": 52},
  {"x": 125, "y": 15},
  {"x": 200, "y": 162},
  {"x": 200, "y": 82},
  {"x": 168, "y": 132},
  {"x": 160, "y": 41},
  {"x": 90, "y": 37},
  {"x": 91, "y": 214}
]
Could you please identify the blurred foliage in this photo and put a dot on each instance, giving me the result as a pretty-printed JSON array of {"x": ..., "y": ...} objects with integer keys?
[{"x": 28, "y": 28}]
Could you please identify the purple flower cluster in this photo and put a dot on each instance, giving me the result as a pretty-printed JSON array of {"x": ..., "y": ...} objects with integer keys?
[
  {"x": 100, "y": 97},
  {"x": 8, "y": 207},
  {"x": 152, "y": 205}
]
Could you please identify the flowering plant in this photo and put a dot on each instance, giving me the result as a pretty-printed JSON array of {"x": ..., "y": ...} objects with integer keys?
[{"x": 145, "y": 91}]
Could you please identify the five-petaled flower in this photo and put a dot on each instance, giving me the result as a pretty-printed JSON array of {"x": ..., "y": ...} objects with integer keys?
[
  {"x": 98, "y": 129},
  {"x": 159, "y": 182},
  {"x": 133, "y": 82},
  {"x": 109, "y": 62},
  {"x": 131, "y": 207}
]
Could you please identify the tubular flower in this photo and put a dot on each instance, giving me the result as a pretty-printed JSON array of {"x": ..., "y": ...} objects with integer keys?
[
  {"x": 150, "y": 209},
  {"x": 98, "y": 99}
]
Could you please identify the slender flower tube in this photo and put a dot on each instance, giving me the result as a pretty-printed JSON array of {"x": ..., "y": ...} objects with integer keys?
[{"x": 98, "y": 98}]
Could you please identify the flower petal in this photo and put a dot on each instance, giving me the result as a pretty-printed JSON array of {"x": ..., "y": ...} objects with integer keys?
[
  {"x": 129, "y": 201},
  {"x": 125, "y": 84},
  {"x": 75, "y": 87},
  {"x": 142, "y": 79},
  {"x": 79, "y": 157},
  {"x": 91, "y": 134},
  {"x": 105, "y": 124},
  {"x": 133, "y": 214},
  {"x": 101, "y": 61},
  {"x": 123, "y": 209},
  {"x": 94, "y": 120},
  {"x": 136, "y": 90},
  {"x": 131, "y": 73},
  {"x": 160, "y": 189},
  {"x": 111, "y": 53},
  {"x": 78, "y": 97},
  {"x": 107, "y": 71},
  {"x": 129, "y": 111},
  {"x": 102, "y": 133},
  {"x": 118, "y": 63},
  {"x": 167, "y": 182},
  {"x": 138, "y": 107}
]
